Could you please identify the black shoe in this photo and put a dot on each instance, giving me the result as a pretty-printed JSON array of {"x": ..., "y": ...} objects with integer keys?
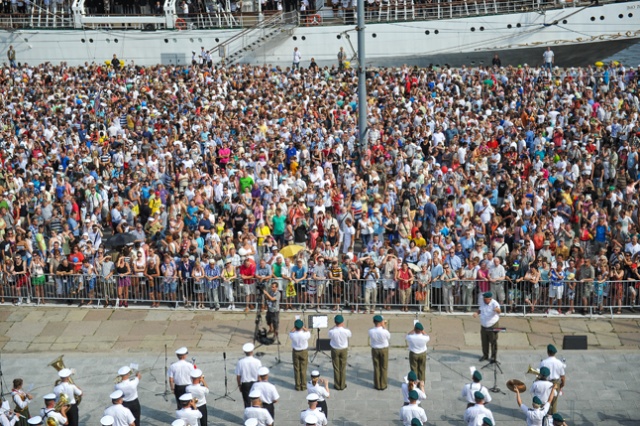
[{"x": 483, "y": 358}]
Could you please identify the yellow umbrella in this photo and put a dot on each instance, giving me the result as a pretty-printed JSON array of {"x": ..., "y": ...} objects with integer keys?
[
  {"x": 599, "y": 64},
  {"x": 291, "y": 250}
]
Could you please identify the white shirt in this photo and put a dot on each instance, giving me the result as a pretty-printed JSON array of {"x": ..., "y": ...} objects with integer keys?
[
  {"x": 180, "y": 372},
  {"x": 129, "y": 388},
  {"x": 535, "y": 415},
  {"x": 417, "y": 342},
  {"x": 247, "y": 369},
  {"x": 405, "y": 393},
  {"x": 488, "y": 316},
  {"x": 299, "y": 340},
  {"x": 555, "y": 366},
  {"x": 542, "y": 389},
  {"x": 263, "y": 416},
  {"x": 322, "y": 418},
  {"x": 189, "y": 415},
  {"x": 379, "y": 337},
  {"x": 4, "y": 420},
  {"x": 70, "y": 390},
  {"x": 473, "y": 415},
  {"x": 200, "y": 392},
  {"x": 339, "y": 337},
  {"x": 121, "y": 415},
  {"x": 319, "y": 390},
  {"x": 470, "y": 388},
  {"x": 411, "y": 411},
  {"x": 46, "y": 413},
  {"x": 269, "y": 393}
]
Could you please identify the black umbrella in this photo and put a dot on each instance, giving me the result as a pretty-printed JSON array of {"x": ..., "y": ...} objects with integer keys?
[{"x": 119, "y": 240}]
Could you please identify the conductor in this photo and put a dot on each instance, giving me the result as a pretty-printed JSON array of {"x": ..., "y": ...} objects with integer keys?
[{"x": 489, "y": 313}]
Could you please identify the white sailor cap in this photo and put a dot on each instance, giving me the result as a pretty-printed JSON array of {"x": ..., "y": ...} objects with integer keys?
[
  {"x": 124, "y": 370},
  {"x": 312, "y": 397},
  {"x": 179, "y": 422},
  {"x": 186, "y": 397},
  {"x": 36, "y": 420},
  {"x": 49, "y": 396},
  {"x": 64, "y": 373},
  {"x": 251, "y": 422},
  {"x": 116, "y": 394},
  {"x": 196, "y": 373},
  {"x": 255, "y": 394},
  {"x": 107, "y": 421},
  {"x": 248, "y": 347},
  {"x": 182, "y": 351},
  {"x": 311, "y": 419},
  {"x": 315, "y": 373},
  {"x": 263, "y": 371}
]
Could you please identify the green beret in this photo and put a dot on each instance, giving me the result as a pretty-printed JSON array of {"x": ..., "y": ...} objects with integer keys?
[
  {"x": 378, "y": 318},
  {"x": 412, "y": 376},
  {"x": 339, "y": 319},
  {"x": 298, "y": 324},
  {"x": 551, "y": 349},
  {"x": 416, "y": 422},
  {"x": 419, "y": 326},
  {"x": 557, "y": 417},
  {"x": 537, "y": 400},
  {"x": 487, "y": 294},
  {"x": 478, "y": 395},
  {"x": 477, "y": 375},
  {"x": 487, "y": 421},
  {"x": 413, "y": 395},
  {"x": 545, "y": 372}
]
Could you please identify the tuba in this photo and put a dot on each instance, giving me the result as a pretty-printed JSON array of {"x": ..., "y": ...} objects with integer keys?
[
  {"x": 532, "y": 370},
  {"x": 62, "y": 401},
  {"x": 58, "y": 364}
]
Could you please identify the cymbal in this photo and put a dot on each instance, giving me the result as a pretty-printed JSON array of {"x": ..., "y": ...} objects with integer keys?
[{"x": 513, "y": 383}]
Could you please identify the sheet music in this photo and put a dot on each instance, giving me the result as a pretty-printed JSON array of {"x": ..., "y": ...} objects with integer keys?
[{"x": 319, "y": 321}]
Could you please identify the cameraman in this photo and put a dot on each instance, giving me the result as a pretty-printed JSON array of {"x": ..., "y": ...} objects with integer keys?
[{"x": 273, "y": 308}]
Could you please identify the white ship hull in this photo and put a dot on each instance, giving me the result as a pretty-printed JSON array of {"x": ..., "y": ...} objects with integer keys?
[{"x": 578, "y": 36}]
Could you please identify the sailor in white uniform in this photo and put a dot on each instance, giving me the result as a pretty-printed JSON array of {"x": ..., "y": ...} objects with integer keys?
[
  {"x": 199, "y": 390},
  {"x": 313, "y": 410},
  {"x": 269, "y": 393},
  {"x": 189, "y": 412},
  {"x": 121, "y": 415},
  {"x": 474, "y": 416},
  {"x": 470, "y": 388},
  {"x": 180, "y": 374}
]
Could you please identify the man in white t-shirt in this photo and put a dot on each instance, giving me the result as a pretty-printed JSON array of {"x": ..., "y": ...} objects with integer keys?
[
  {"x": 548, "y": 58},
  {"x": 489, "y": 313}
]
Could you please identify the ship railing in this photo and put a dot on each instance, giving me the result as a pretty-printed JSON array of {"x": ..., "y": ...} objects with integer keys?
[
  {"x": 248, "y": 37},
  {"x": 38, "y": 16}
]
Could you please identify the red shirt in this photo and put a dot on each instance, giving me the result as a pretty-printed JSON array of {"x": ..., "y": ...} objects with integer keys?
[
  {"x": 249, "y": 270},
  {"x": 403, "y": 279}
]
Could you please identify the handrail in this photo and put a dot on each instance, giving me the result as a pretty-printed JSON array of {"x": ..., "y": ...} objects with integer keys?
[{"x": 271, "y": 22}]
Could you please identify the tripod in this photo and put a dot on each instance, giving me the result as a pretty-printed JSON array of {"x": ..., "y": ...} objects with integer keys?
[
  {"x": 167, "y": 391},
  {"x": 226, "y": 381},
  {"x": 318, "y": 348}
]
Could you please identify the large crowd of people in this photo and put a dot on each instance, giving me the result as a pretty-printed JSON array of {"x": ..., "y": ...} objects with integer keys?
[{"x": 519, "y": 180}]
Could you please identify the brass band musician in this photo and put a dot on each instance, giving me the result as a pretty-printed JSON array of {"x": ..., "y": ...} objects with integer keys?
[
  {"x": 57, "y": 414},
  {"x": 22, "y": 400},
  {"x": 71, "y": 391}
]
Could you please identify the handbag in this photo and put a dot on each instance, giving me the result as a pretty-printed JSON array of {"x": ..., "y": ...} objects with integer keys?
[
  {"x": 291, "y": 290},
  {"x": 421, "y": 296}
]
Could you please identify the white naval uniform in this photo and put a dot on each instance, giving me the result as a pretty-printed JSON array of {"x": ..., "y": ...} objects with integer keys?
[
  {"x": 470, "y": 388},
  {"x": 535, "y": 416},
  {"x": 555, "y": 366},
  {"x": 247, "y": 368},
  {"x": 68, "y": 389},
  {"x": 121, "y": 415},
  {"x": 322, "y": 419},
  {"x": 268, "y": 392},
  {"x": 180, "y": 372},
  {"x": 259, "y": 413},
  {"x": 199, "y": 392},
  {"x": 46, "y": 413},
  {"x": 411, "y": 411},
  {"x": 129, "y": 389},
  {"x": 189, "y": 415},
  {"x": 542, "y": 389},
  {"x": 318, "y": 389},
  {"x": 4, "y": 420},
  {"x": 405, "y": 393},
  {"x": 473, "y": 415}
]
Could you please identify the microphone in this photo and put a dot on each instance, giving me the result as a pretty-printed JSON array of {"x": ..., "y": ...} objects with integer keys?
[{"x": 224, "y": 355}]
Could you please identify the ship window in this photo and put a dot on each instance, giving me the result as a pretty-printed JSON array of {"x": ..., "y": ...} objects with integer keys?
[
  {"x": 509, "y": 26},
  {"x": 115, "y": 40},
  {"x": 602, "y": 18},
  {"x": 166, "y": 40},
  {"x": 518, "y": 25},
  {"x": 436, "y": 32},
  {"x": 427, "y": 32},
  {"x": 481, "y": 28},
  {"x": 565, "y": 22},
  {"x": 593, "y": 18},
  {"x": 303, "y": 38},
  {"x": 630, "y": 15},
  {"x": 374, "y": 35},
  {"x": 621, "y": 16},
  {"x": 90, "y": 40},
  {"x": 473, "y": 29},
  {"x": 338, "y": 36},
  {"x": 295, "y": 38},
  {"x": 83, "y": 40},
  {"x": 217, "y": 40}
]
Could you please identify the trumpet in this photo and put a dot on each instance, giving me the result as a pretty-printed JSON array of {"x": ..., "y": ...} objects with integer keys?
[
  {"x": 132, "y": 374},
  {"x": 532, "y": 370}
]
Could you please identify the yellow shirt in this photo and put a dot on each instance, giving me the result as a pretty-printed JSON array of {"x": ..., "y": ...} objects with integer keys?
[
  {"x": 262, "y": 232},
  {"x": 154, "y": 204},
  {"x": 420, "y": 242}
]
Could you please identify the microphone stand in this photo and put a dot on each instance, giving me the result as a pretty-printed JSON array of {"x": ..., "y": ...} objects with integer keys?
[
  {"x": 167, "y": 391},
  {"x": 226, "y": 381}
]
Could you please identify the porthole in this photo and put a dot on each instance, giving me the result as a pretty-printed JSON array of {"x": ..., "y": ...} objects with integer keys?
[
  {"x": 303, "y": 38},
  {"x": 83, "y": 40},
  {"x": 621, "y": 16},
  {"x": 630, "y": 15},
  {"x": 564, "y": 21},
  {"x": 473, "y": 29},
  {"x": 427, "y": 32},
  {"x": 374, "y": 35},
  {"x": 593, "y": 18},
  {"x": 295, "y": 38},
  {"x": 90, "y": 40},
  {"x": 602, "y": 18},
  {"x": 436, "y": 32},
  {"x": 115, "y": 40},
  {"x": 509, "y": 26},
  {"x": 338, "y": 36},
  {"x": 166, "y": 40},
  {"x": 481, "y": 28},
  {"x": 217, "y": 40},
  {"x": 518, "y": 25}
]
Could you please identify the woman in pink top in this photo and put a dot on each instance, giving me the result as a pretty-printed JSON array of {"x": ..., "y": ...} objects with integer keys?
[{"x": 483, "y": 280}]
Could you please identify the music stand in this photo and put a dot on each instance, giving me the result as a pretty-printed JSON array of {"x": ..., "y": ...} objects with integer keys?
[
  {"x": 317, "y": 322},
  {"x": 495, "y": 365}
]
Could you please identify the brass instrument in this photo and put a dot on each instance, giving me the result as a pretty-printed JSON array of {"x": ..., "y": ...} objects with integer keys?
[
  {"x": 132, "y": 373},
  {"x": 62, "y": 401},
  {"x": 532, "y": 370},
  {"x": 58, "y": 364}
]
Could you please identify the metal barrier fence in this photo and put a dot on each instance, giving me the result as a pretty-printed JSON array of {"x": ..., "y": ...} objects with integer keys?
[{"x": 311, "y": 294}]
